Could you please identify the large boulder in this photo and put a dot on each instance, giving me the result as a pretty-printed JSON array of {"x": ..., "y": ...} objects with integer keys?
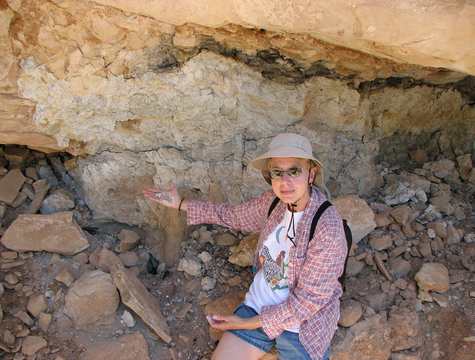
[
  {"x": 93, "y": 287},
  {"x": 56, "y": 233}
]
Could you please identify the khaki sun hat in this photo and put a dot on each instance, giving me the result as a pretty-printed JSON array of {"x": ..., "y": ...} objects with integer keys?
[{"x": 289, "y": 145}]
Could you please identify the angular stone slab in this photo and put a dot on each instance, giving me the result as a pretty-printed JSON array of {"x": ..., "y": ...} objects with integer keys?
[
  {"x": 10, "y": 186},
  {"x": 134, "y": 294},
  {"x": 41, "y": 189},
  {"x": 57, "y": 233}
]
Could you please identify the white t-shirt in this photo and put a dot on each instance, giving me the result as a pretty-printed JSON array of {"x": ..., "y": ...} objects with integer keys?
[{"x": 270, "y": 284}]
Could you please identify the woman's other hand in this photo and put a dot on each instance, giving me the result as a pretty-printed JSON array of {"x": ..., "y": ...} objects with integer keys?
[
  {"x": 233, "y": 322},
  {"x": 164, "y": 196}
]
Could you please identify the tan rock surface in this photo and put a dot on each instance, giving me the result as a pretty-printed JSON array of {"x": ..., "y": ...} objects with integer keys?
[
  {"x": 350, "y": 312},
  {"x": 16, "y": 115},
  {"x": 405, "y": 31},
  {"x": 57, "y": 233},
  {"x": 405, "y": 329},
  {"x": 359, "y": 215},
  {"x": 10, "y": 186},
  {"x": 44, "y": 320},
  {"x": 93, "y": 287},
  {"x": 128, "y": 240},
  {"x": 144, "y": 94},
  {"x": 36, "y": 304},
  {"x": 33, "y": 344},
  {"x": 369, "y": 340},
  {"x": 433, "y": 277},
  {"x": 243, "y": 253},
  {"x": 127, "y": 347},
  {"x": 41, "y": 188}
]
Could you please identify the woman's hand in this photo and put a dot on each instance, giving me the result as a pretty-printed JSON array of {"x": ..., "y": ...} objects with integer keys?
[
  {"x": 233, "y": 322},
  {"x": 164, "y": 196}
]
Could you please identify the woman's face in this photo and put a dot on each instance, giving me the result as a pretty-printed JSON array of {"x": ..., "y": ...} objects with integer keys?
[{"x": 290, "y": 178}]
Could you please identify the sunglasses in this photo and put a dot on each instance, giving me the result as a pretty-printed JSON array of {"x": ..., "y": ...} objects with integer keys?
[{"x": 294, "y": 172}]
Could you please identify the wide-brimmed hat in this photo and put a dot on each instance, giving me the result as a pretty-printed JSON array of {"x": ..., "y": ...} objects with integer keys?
[{"x": 289, "y": 145}]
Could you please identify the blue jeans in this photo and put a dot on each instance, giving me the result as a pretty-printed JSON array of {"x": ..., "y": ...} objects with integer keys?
[{"x": 287, "y": 344}]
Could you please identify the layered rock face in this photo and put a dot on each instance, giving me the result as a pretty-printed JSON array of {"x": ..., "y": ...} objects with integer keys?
[{"x": 155, "y": 94}]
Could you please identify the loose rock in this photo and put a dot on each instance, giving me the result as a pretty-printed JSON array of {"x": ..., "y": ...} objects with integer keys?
[
  {"x": 36, "y": 304},
  {"x": 32, "y": 344},
  {"x": 380, "y": 241},
  {"x": 454, "y": 236},
  {"x": 41, "y": 189},
  {"x": 243, "y": 253},
  {"x": 92, "y": 287},
  {"x": 59, "y": 200},
  {"x": 469, "y": 238},
  {"x": 11, "y": 279},
  {"x": 65, "y": 277},
  {"x": 56, "y": 233},
  {"x": 399, "y": 267},
  {"x": 129, "y": 258},
  {"x": 359, "y": 215},
  {"x": 225, "y": 239},
  {"x": 208, "y": 283},
  {"x": 368, "y": 339},
  {"x": 402, "y": 214},
  {"x": 10, "y": 186},
  {"x": 433, "y": 277},
  {"x": 354, "y": 267},
  {"x": 351, "y": 311},
  {"x": 441, "y": 169},
  {"x": 205, "y": 257},
  {"x": 128, "y": 319},
  {"x": 44, "y": 320},
  {"x": 128, "y": 240},
  {"x": 190, "y": 266}
]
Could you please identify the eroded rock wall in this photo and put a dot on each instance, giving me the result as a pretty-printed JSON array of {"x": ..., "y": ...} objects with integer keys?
[{"x": 150, "y": 102}]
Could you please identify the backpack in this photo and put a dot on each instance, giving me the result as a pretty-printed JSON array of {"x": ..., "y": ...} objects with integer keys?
[{"x": 325, "y": 205}]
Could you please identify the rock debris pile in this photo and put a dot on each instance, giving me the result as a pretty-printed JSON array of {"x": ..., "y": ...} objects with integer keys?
[{"x": 74, "y": 287}]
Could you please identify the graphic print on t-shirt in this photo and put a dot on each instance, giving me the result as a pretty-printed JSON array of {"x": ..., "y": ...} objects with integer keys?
[{"x": 274, "y": 268}]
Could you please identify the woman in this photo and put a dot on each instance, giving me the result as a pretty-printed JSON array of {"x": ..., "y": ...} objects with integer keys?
[{"x": 293, "y": 301}]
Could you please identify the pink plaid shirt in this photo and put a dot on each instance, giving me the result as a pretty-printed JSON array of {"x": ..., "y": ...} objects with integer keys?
[{"x": 314, "y": 268}]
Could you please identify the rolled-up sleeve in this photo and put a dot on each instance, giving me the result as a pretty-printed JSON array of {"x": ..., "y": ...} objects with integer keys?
[
  {"x": 249, "y": 216},
  {"x": 317, "y": 280}
]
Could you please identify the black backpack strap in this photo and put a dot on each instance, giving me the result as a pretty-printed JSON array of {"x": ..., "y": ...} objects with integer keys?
[
  {"x": 317, "y": 216},
  {"x": 348, "y": 236},
  {"x": 349, "y": 243},
  {"x": 273, "y": 205}
]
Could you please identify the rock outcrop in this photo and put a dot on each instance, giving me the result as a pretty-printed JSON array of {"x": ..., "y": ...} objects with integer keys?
[{"x": 192, "y": 91}]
